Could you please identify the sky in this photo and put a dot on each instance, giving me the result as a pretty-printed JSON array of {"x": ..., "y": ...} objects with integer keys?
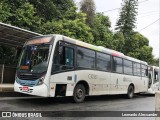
[{"x": 148, "y": 13}]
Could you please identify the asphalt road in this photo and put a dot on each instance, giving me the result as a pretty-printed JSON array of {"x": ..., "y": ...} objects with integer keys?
[{"x": 93, "y": 103}]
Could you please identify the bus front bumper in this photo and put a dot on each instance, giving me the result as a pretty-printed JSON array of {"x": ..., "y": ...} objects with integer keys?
[{"x": 40, "y": 90}]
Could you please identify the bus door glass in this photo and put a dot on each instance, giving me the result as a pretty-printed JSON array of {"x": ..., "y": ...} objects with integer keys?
[{"x": 63, "y": 63}]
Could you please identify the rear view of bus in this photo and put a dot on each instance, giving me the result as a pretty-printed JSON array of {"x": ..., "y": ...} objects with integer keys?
[{"x": 31, "y": 75}]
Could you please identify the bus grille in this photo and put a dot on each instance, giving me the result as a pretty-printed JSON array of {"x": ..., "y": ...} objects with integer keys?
[{"x": 28, "y": 77}]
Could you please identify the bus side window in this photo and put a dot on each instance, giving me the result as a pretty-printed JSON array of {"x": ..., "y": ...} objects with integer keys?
[
  {"x": 117, "y": 65},
  {"x": 63, "y": 58}
]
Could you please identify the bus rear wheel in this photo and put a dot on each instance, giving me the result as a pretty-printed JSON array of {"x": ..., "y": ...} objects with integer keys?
[
  {"x": 130, "y": 92},
  {"x": 79, "y": 93}
]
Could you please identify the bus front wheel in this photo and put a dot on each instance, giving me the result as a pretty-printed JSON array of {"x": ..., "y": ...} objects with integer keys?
[
  {"x": 130, "y": 92},
  {"x": 79, "y": 93}
]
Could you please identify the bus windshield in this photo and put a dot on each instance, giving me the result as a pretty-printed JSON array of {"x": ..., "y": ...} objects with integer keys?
[{"x": 34, "y": 58}]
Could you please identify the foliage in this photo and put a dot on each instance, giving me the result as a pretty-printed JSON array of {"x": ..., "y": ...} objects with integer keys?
[
  {"x": 138, "y": 47},
  {"x": 118, "y": 42},
  {"x": 88, "y": 7},
  {"x": 7, "y": 55},
  {"x": 20, "y": 13},
  {"x": 144, "y": 53},
  {"x": 100, "y": 30},
  {"x": 25, "y": 17},
  {"x": 136, "y": 40},
  {"x": 133, "y": 44},
  {"x": 127, "y": 17},
  {"x": 75, "y": 28},
  {"x": 61, "y": 17},
  {"x": 4, "y": 11},
  {"x": 155, "y": 62},
  {"x": 52, "y": 9}
]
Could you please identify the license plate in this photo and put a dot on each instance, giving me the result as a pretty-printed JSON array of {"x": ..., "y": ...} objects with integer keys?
[{"x": 25, "y": 88}]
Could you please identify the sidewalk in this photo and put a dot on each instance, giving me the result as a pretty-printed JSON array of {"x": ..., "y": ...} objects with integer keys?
[{"x": 6, "y": 87}]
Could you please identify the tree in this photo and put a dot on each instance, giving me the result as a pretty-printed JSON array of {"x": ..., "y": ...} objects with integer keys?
[
  {"x": 136, "y": 40},
  {"x": 139, "y": 48},
  {"x": 118, "y": 42},
  {"x": 100, "y": 30},
  {"x": 127, "y": 17},
  {"x": 20, "y": 13},
  {"x": 7, "y": 55},
  {"x": 155, "y": 62},
  {"x": 88, "y": 7},
  {"x": 73, "y": 28},
  {"x": 52, "y": 9},
  {"x": 144, "y": 53},
  {"x": 4, "y": 11},
  {"x": 25, "y": 17}
]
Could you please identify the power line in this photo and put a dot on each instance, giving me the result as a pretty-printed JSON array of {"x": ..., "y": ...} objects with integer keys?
[
  {"x": 143, "y": 1},
  {"x": 120, "y": 7},
  {"x": 157, "y": 11},
  {"x": 112, "y": 9},
  {"x": 152, "y": 33},
  {"x": 146, "y": 15},
  {"x": 149, "y": 25}
]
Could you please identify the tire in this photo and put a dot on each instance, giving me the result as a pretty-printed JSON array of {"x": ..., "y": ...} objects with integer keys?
[
  {"x": 130, "y": 92},
  {"x": 79, "y": 93}
]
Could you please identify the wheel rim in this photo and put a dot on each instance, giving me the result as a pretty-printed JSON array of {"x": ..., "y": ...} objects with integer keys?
[{"x": 79, "y": 93}]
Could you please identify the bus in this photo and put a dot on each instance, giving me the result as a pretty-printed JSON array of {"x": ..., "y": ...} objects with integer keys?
[
  {"x": 153, "y": 84},
  {"x": 56, "y": 65}
]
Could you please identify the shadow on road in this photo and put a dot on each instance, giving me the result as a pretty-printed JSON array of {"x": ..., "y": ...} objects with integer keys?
[{"x": 67, "y": 100}]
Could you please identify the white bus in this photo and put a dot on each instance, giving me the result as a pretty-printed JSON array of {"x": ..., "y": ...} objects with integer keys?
[
  {"x": 153, "y": 79},
  {"x": 56, "y": 65}
]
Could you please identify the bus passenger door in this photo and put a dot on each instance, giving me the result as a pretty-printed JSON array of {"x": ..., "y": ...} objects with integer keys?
[{"x": 63, "y": 74}]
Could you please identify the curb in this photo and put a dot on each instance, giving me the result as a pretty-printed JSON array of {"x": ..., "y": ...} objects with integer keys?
[{"x": 6, "y": 88}]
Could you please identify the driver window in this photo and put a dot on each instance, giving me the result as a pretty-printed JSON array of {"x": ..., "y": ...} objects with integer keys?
[{"x": 63, "y": 58}]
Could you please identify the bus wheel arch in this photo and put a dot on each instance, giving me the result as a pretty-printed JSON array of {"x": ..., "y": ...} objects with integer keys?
[
  {"x": 80, "y": 91},
  {"x": 85, "y": 84},
  {"x": 130, "y": 91}
]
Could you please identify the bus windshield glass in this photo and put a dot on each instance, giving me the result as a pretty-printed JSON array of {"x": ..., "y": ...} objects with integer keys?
[{"x": 35, "y": 58}]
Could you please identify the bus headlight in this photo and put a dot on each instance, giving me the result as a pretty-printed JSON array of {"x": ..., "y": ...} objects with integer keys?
[{"x": 41, "y": 80}]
